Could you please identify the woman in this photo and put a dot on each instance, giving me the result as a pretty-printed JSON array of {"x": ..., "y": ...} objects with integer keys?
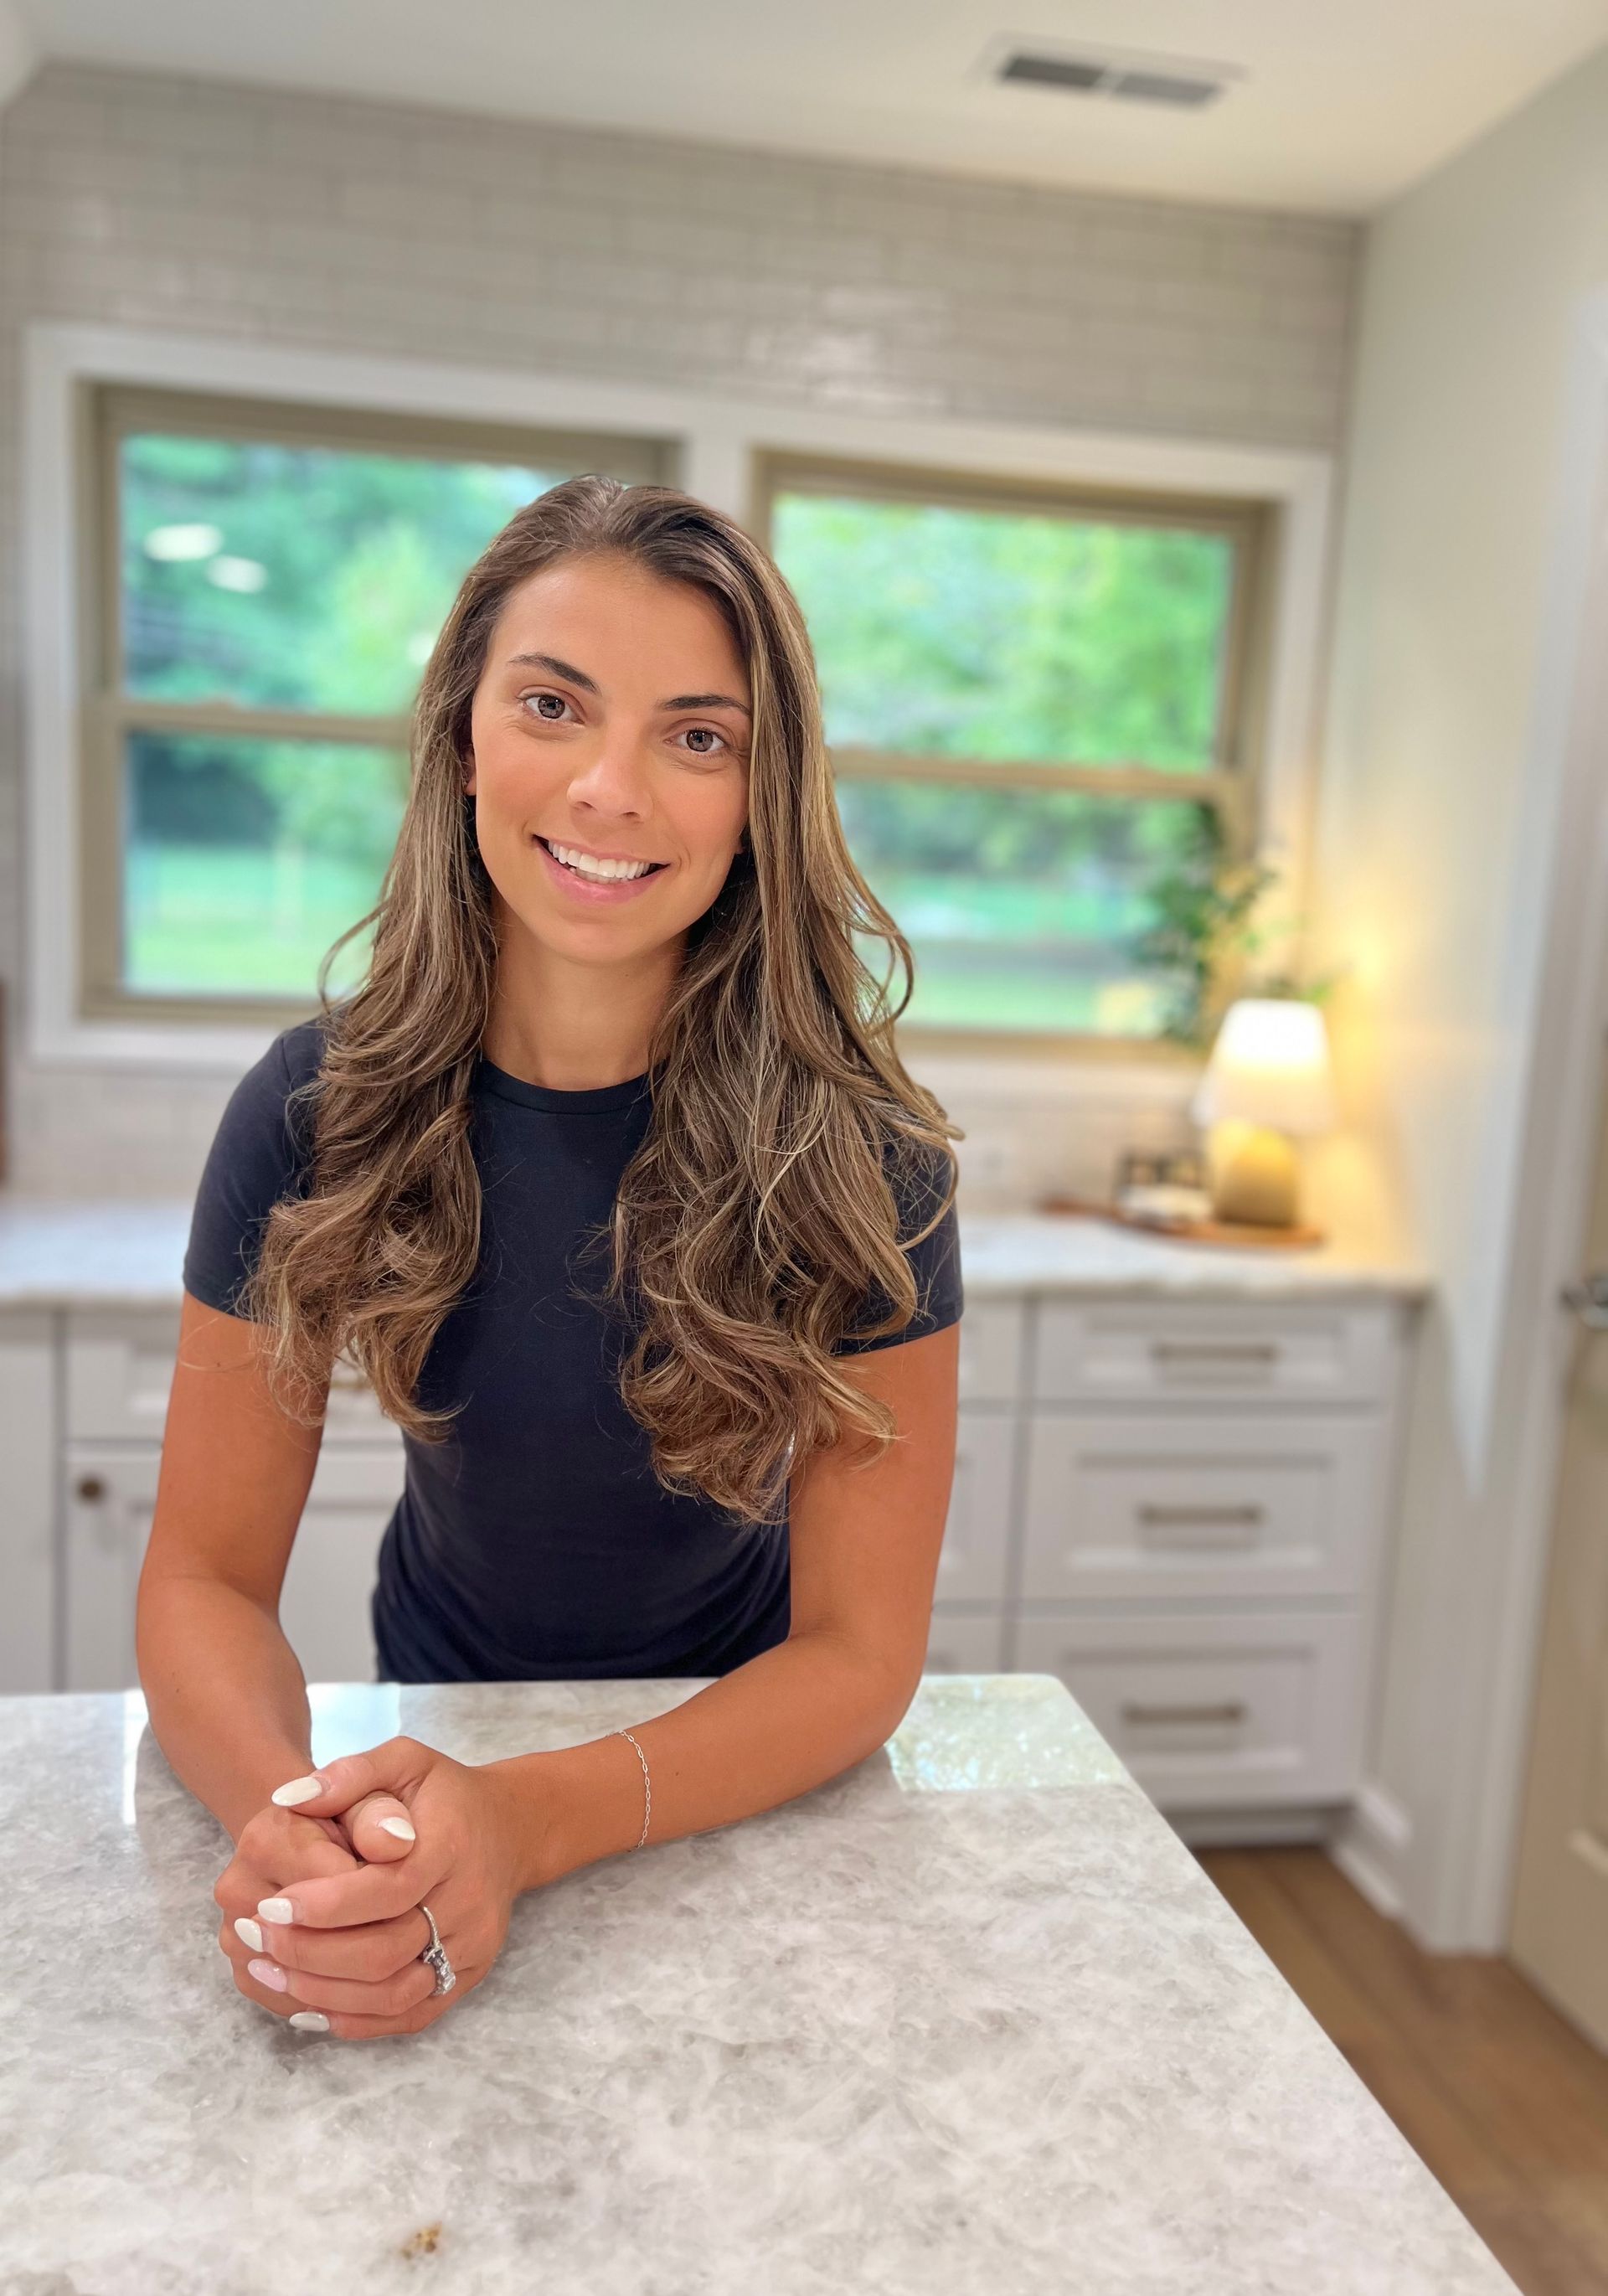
[{"x": 610, "y": 1182}]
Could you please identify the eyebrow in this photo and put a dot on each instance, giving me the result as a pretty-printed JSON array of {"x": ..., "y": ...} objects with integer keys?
[{"x": 566, "y": 669}]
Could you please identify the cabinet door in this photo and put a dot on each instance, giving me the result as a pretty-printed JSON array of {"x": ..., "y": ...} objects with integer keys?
[
  {"x": 972, "y": 1564},
  {"x": 1214, "y": 1711},
  {"x": 1214, "y": 1502},
  {"x": 1140, "y": 1350},
  {"x": 27, "y": 1514},
  {"x": 992, "y": 1351},
  {"x": 119, "y": 1371},
  {"x": 323, "y": 1607},
  {"x": 963, "y": 1641}
]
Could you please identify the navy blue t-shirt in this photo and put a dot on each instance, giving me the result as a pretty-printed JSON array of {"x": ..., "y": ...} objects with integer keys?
[{"x": 534, "y": 1544}]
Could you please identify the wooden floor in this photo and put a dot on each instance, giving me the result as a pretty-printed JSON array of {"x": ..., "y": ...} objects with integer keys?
[{"x": 1504, "y": 2102}]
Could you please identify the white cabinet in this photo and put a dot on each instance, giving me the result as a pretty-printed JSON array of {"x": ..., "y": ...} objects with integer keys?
[
  {"x": 972, "y": 1564},
  {"x": 1219, "y": 1503},
  {"x": 1140, "y": 1350},
  {"x": 966, "y": 1642},
  {"x": 29, "y": 1468},
  {"x": 1214, "y": 1710},
  {"x": 324, "y": 1608},
  {"x": 117, "y": 1369},
  {"x": 1178, "y": 1505},
  {"x": 1205, "y": 1505}
]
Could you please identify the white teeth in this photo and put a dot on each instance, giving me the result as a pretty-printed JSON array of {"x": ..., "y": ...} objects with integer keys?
[{"x": 586, "y": 866}]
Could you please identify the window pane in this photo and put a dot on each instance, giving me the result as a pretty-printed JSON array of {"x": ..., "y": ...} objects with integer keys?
[
  {"x": 245, "y": 859},
  {"x": 1019, "y": 904},
  {"x": 1013, "y": 635},
  {"x": 296, "y": 577}
]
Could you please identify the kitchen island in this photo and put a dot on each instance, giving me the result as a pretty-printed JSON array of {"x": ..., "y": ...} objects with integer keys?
[{"x": 967, "y": 2018}]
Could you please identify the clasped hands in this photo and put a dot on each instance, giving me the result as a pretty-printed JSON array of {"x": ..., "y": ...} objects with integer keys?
[{"x": 320, "y": 1900}]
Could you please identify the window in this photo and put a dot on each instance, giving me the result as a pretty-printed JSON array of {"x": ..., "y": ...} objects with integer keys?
[
  {"x": 1037, "y": 703},
  {"x": 264, "y": 582}
]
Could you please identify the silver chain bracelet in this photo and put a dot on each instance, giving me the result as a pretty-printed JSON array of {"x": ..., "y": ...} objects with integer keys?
[{"x": 647, "y": 1784}]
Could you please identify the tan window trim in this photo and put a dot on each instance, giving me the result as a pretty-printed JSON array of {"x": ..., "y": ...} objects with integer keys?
[
  {"x": 104, "y": 413},
  {"x": 1230, "y": 786}
]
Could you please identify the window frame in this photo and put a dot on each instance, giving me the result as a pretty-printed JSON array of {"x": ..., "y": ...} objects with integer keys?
[
  {"x": 1233, "y": 786},
  {"x": 714, "y": 431},
  {"x": 107, "y": 413}
]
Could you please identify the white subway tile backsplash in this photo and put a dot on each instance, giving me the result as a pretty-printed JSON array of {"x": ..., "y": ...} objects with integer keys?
[{"x": 158, "y": 200}]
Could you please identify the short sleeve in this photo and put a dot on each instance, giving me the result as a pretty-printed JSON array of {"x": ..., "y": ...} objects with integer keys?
[
  {"x": 258, "y": 1154},
  {"x": 919, "y": 1187}
]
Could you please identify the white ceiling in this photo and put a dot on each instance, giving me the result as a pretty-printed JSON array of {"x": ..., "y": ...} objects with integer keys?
[{"x": 1335, "y": 106}]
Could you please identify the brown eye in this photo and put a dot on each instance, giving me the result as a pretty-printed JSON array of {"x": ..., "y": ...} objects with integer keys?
[{"x": 724, "y": 739}]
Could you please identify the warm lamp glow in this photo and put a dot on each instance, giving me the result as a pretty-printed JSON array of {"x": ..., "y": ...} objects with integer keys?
[{"x": 1270, "y": 1066}]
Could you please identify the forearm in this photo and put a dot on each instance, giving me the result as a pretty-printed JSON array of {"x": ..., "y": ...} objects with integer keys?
[
  {"x": 226, "y": 1695},
  {"x": 786, "y": 1721}
]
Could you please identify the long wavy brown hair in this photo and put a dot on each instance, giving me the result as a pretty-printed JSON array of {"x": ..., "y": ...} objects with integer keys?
[{"x": 761, "y": 1213}]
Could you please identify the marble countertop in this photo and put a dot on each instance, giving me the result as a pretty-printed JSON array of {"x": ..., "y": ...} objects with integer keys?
[
  {"x": 968, "y": 2017},
  {"x": 111, "y": 1251}
]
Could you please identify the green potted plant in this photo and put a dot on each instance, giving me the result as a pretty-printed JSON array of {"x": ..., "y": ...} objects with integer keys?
[{"x": 1210, "y": 927}]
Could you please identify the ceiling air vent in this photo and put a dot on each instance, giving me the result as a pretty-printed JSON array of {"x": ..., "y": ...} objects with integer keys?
[{"x": 1089, "y": 76}]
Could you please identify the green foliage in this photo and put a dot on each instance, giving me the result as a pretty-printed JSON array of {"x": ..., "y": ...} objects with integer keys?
[
  {"x": 330, "y": 573},
  {"x": 1210, "y": 925},
  {"x": 314, "y": 578},
  {"x": 1010, "y": 636}
]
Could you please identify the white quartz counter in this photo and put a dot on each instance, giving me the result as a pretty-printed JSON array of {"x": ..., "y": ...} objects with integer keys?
[
  {"x": 967, "y": 2018},
  {"x": 69, "y": 1252}
]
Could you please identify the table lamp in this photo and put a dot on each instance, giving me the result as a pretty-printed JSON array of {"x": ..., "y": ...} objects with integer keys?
[{"x": 1267, "y": 1081}]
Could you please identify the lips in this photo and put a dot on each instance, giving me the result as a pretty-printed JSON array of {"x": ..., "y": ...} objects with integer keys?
[
  {"x": 596, "y": 889},
  {"x": 637, "y": 862}
]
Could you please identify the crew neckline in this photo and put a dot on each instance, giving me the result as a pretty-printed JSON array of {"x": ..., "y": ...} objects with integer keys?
[{"x": 551, "y": 1101}]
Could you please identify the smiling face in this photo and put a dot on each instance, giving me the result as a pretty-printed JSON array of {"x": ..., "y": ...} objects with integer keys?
[{"x": 610, "y": 728}]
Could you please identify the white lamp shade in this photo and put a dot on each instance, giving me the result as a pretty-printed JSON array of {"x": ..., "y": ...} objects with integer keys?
[{"x": 1269, "y": 1065}]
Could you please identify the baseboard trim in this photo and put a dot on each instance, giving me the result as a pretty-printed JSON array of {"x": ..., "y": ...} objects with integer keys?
[
  {"x": 1252, "y": 1829},
  {"x": 1370, "y": 1845}
]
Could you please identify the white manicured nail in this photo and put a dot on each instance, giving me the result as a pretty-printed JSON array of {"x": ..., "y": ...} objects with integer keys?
[
  {"x": 305, "y": 1789},
  {"x": 275, "y": 1909},
  {"x": 400, "y": 1827},
  {"x": 309, "y": 2020},
  {"x": 248, "y": 1933},
  {"x": 269, "y": 1973}
]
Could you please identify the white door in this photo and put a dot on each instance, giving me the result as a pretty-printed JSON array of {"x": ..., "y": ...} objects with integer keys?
[
  {"x": 323, "y": 1607},
  {"x": 1559, "y": 1924}
]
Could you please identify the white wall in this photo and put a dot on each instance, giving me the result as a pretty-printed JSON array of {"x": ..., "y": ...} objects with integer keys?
[
  {"x": 1433, "y": 855},
  {"x": 261, "y": 215}
]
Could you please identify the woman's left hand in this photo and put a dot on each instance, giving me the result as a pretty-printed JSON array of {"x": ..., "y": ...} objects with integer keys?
[{"x": 349, "y": 1944}]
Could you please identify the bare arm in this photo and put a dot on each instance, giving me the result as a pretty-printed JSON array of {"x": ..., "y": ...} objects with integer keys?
[
  {"x": 223, "y": 1689},
  {"x": 865, "y": 1539}
]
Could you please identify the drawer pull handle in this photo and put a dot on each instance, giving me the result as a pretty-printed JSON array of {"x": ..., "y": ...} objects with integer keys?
[
  {"x": 89, "y": 1487},
  {"x": 1208, "y": 1518},
  {"x": 1232, "y": 1710},
  {"x": 1214, "y": 1350}
]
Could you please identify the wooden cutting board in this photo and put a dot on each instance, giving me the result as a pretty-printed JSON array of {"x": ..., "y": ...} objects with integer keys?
[{"x": 1237, "y": 1233}]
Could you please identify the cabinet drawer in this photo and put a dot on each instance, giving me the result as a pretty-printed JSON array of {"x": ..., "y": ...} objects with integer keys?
[
  {"x": 1112, "y": 1350},
  {"x": 972, "y": 1562},
  {"x": 990, "y": 1351},
  {"x": 1200, "y": 1504},
  {"x": 119, "y": 1373},
  {"x": 964, "y": 1642},
  {"x": 1209, "y": 1710}
]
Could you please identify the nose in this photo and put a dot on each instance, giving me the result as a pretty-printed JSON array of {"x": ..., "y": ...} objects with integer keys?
[{"x": 613, "y": 781}]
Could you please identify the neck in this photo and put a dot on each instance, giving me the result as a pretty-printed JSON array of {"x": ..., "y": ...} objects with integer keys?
[{"x": 572, "y": 1027}]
